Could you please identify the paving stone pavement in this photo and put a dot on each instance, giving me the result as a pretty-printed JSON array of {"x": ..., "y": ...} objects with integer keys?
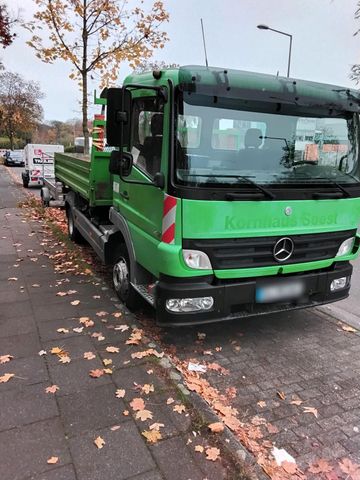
[
  {"x": 302, "y": 355},
  {"x": 35, "y": 425}
]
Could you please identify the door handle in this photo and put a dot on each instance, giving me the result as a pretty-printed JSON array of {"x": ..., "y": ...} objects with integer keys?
[{"x": 125, "y": 195}]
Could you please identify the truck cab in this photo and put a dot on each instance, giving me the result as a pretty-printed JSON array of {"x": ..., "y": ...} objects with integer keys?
[{"x": 232, "y": 193}]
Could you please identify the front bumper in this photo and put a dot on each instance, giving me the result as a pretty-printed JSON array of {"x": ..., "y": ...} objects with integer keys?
[{"x": 237, "y": 298}]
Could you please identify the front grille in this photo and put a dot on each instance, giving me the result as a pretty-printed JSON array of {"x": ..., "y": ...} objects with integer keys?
[{"x": 254, "y": 252}]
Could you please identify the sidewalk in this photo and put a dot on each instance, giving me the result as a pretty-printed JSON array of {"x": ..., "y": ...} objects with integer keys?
[{"x": 97, "y": 362}]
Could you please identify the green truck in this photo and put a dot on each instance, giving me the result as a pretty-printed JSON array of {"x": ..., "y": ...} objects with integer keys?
[{"x": 219, "y": 194}]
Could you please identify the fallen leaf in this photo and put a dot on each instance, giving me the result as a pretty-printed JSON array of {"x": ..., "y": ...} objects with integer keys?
[
  {"x": 135, "y": 337},
  {"x": 281, "y": 395},
  {"x": 107, "y": 361},
  {"x": 89, "y": 355},
  {"x": 169, "y": 401},
  {"x": 156, "y": 426},
  {"x": 347, "y": 328},
  {"x": 112, "y": 349},
  {"x": 115, "y": 427},
  {"x": 96, "y": 373},
  {"x": 35, "y": 285},
  {"x": 216, "y": 427},
  {"x": 78, "y": 329},
  {"x": 212, "y": 453},
  {"x": 152, "y": 436},
  {"x": 12, "y": 279},
  {"x": 61, "y": 294},
  {"x": 58, "y": 351},
  {"x": 199, "y": 448},
  {"x": 201, "y": 336},
  {"x": 321, "y": 466},
  {"x": 108, "y": 371},
  {"x": 126, "y": 413},
  {"x": 65, "y": 359},
  {"x": 62, "y": 330},
  {"x": 137, "y": 404},
  {"x": 42, "y": 352},
  {"x": 296, "y": 402},
  {"x": 5, "y": 358},
  {"x": 289, "y": 467},
  {"x": 117, "y": 314},
  {"x": 150, "y": 371},
  {"x": 122, "y": 328},
  {"x": 350, "y": 468},
  {"x": 102, "y": 314},
  {"x": 120, "y": 393},
  {"x": 52, "y": 389},
  {"x": 143, "y": 415},
  {"x": 75, "y": 302},
  {"x": 99, "y": 442},
  {"x": 272, "y": 428},
  {"x": 311, "y": 410},
  {"x": 147, "y": 388},
  {"x": 6, "y": 377},
  {"x": 261, "y": 404},
  {"x": 52, "y": 460},
  {"x": 179, "y": 408}
]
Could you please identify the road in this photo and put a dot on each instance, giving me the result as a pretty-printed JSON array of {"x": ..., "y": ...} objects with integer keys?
[{"x": 263, "y": 364}]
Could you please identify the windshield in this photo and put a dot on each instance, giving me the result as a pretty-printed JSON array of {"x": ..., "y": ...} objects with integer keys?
[{"x": 222, "y": 142}]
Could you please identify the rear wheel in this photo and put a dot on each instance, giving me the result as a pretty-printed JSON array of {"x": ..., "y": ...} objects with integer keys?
[
  {"x": 121, "y": 281},
  {"x": 74, "y": 233}
]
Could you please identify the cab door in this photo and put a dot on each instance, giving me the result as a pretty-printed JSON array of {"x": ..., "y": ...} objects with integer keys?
[{"x": 142, "y": 204}]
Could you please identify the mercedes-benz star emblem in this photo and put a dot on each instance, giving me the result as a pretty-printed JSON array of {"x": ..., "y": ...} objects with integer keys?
[
  {"x": 288, "y": 211},
  {"x": 283, "y": 249}
]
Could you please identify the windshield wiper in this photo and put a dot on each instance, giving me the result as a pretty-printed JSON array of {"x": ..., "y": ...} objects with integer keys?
[
  {"x": 345, "y": 193},
  {"x": 233, "y": 196}
]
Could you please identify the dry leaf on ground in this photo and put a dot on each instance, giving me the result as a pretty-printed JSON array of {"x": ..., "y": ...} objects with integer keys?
[
  {"x": 311, "y": 410},
  {"x": 52, "y": 460},
  {"x": 115, "y": 427},
  {"x": 42, "y": 352},
  {"x": 143, "y": 415},
  {"x": 347, "y": 328},
  {"x": 117, "y": 314},
  {"x": 65, "y": 359},
  {"x": 281, "y": 395},
  {"x": 75, "y": 302},
  {"x": 107, "y": 361},
  {"x": 122, "y": 328},
  {"x": 126, "y": 413},
  {"x": 350, "y": 468},
  {"x": 120, "y": 393},
  {"x": 96, "y": 373},
  {"x": 156, "y": 426},
  {"x": 62, "y": 330},
  {"x": 137, "y": 404},
  {"x": 321, "y": 466},
  {"x": 78, "y": 329},
  {"x": 261, "y": 404},
  {"x": 296, "y": 402},
  {"x": 102, "y": 314},
  {"x": 5, "y": 358},
  {"x": 216, "y": 427},
  {"x": 169, "y": 401},
  {"x": 52, "y": 389},
  {"x": 99, "y": 442},
  {"x": 152, "y": 436},
  {"x": 6, "y": 377},
  {"x": 199, "y": 448},
  {"x": 112, "y": 349},
  {"x": 179, "y": 408},
  {"x": 89, "y": 355},
  {"x": 212, "y": 453},
  {"x": 147, "y": 388}
]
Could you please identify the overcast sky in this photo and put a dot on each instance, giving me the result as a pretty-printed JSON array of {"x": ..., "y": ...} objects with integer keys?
[{"x": 324, "y": 47}]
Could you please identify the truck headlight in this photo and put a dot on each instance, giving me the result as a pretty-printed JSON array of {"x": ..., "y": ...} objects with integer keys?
[
  {"x": 338, "y": 283},
  {"x": 184, "y": 305},
  {"x": 197, "y": 259},
  {"x": 346, "y": 247}
]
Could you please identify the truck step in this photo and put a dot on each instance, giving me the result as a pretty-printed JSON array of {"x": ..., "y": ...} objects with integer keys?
[
  {"x": 143, "y": 290},
  {"x": 106, "y": 228}
]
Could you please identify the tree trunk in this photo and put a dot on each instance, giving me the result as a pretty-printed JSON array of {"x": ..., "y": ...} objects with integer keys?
[
  {"x": 84, "y": 81},
  {"x": 11, "y": 138},
  {"x": 85, "y": 113}
]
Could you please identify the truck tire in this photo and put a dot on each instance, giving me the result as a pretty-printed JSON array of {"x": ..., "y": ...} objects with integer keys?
[
  {"x": 45, "y": 197},
  {"x": 121, "y": 280},
  {"x": 73, "y": 232}
]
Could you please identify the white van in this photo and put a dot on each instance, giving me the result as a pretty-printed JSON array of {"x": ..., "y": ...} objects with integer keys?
[{"x": 39, "y": 163}]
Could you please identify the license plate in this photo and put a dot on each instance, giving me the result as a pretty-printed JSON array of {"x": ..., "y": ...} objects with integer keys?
[{"x": 274, "y": 292}]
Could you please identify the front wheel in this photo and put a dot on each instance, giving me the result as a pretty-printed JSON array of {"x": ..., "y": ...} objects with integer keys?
[
  {"x": 121, "y": 281},
  {"x": 74, "y": 233}
]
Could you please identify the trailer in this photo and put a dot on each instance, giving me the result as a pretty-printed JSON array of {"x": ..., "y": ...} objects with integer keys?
[{"x": 39, "y": 163}]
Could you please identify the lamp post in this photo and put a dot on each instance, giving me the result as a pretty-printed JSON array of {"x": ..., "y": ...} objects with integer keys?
[{"x": 265, "y": 27}]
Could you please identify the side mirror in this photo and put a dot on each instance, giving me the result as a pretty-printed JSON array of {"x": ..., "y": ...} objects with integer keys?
[
  {"x": 120, "y": 163},
  {"x": 118, "y": 117},
  {"x": 159, "y": 180}
]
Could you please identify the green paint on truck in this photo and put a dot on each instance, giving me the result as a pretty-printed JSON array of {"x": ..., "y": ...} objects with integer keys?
[{"x": 220, "y": 194}]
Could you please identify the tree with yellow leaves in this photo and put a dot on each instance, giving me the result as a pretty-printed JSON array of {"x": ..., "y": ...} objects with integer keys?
[{"x": 95, "y": 36}]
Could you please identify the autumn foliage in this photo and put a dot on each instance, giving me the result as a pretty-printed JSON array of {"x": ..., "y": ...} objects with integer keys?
[{"x": 95, "y": 36}]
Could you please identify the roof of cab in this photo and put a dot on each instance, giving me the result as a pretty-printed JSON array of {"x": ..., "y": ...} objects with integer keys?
[{"x": 236, "y": 83}]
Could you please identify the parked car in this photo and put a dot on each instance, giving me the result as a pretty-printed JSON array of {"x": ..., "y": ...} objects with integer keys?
[{"x": 14, "y": 158}]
